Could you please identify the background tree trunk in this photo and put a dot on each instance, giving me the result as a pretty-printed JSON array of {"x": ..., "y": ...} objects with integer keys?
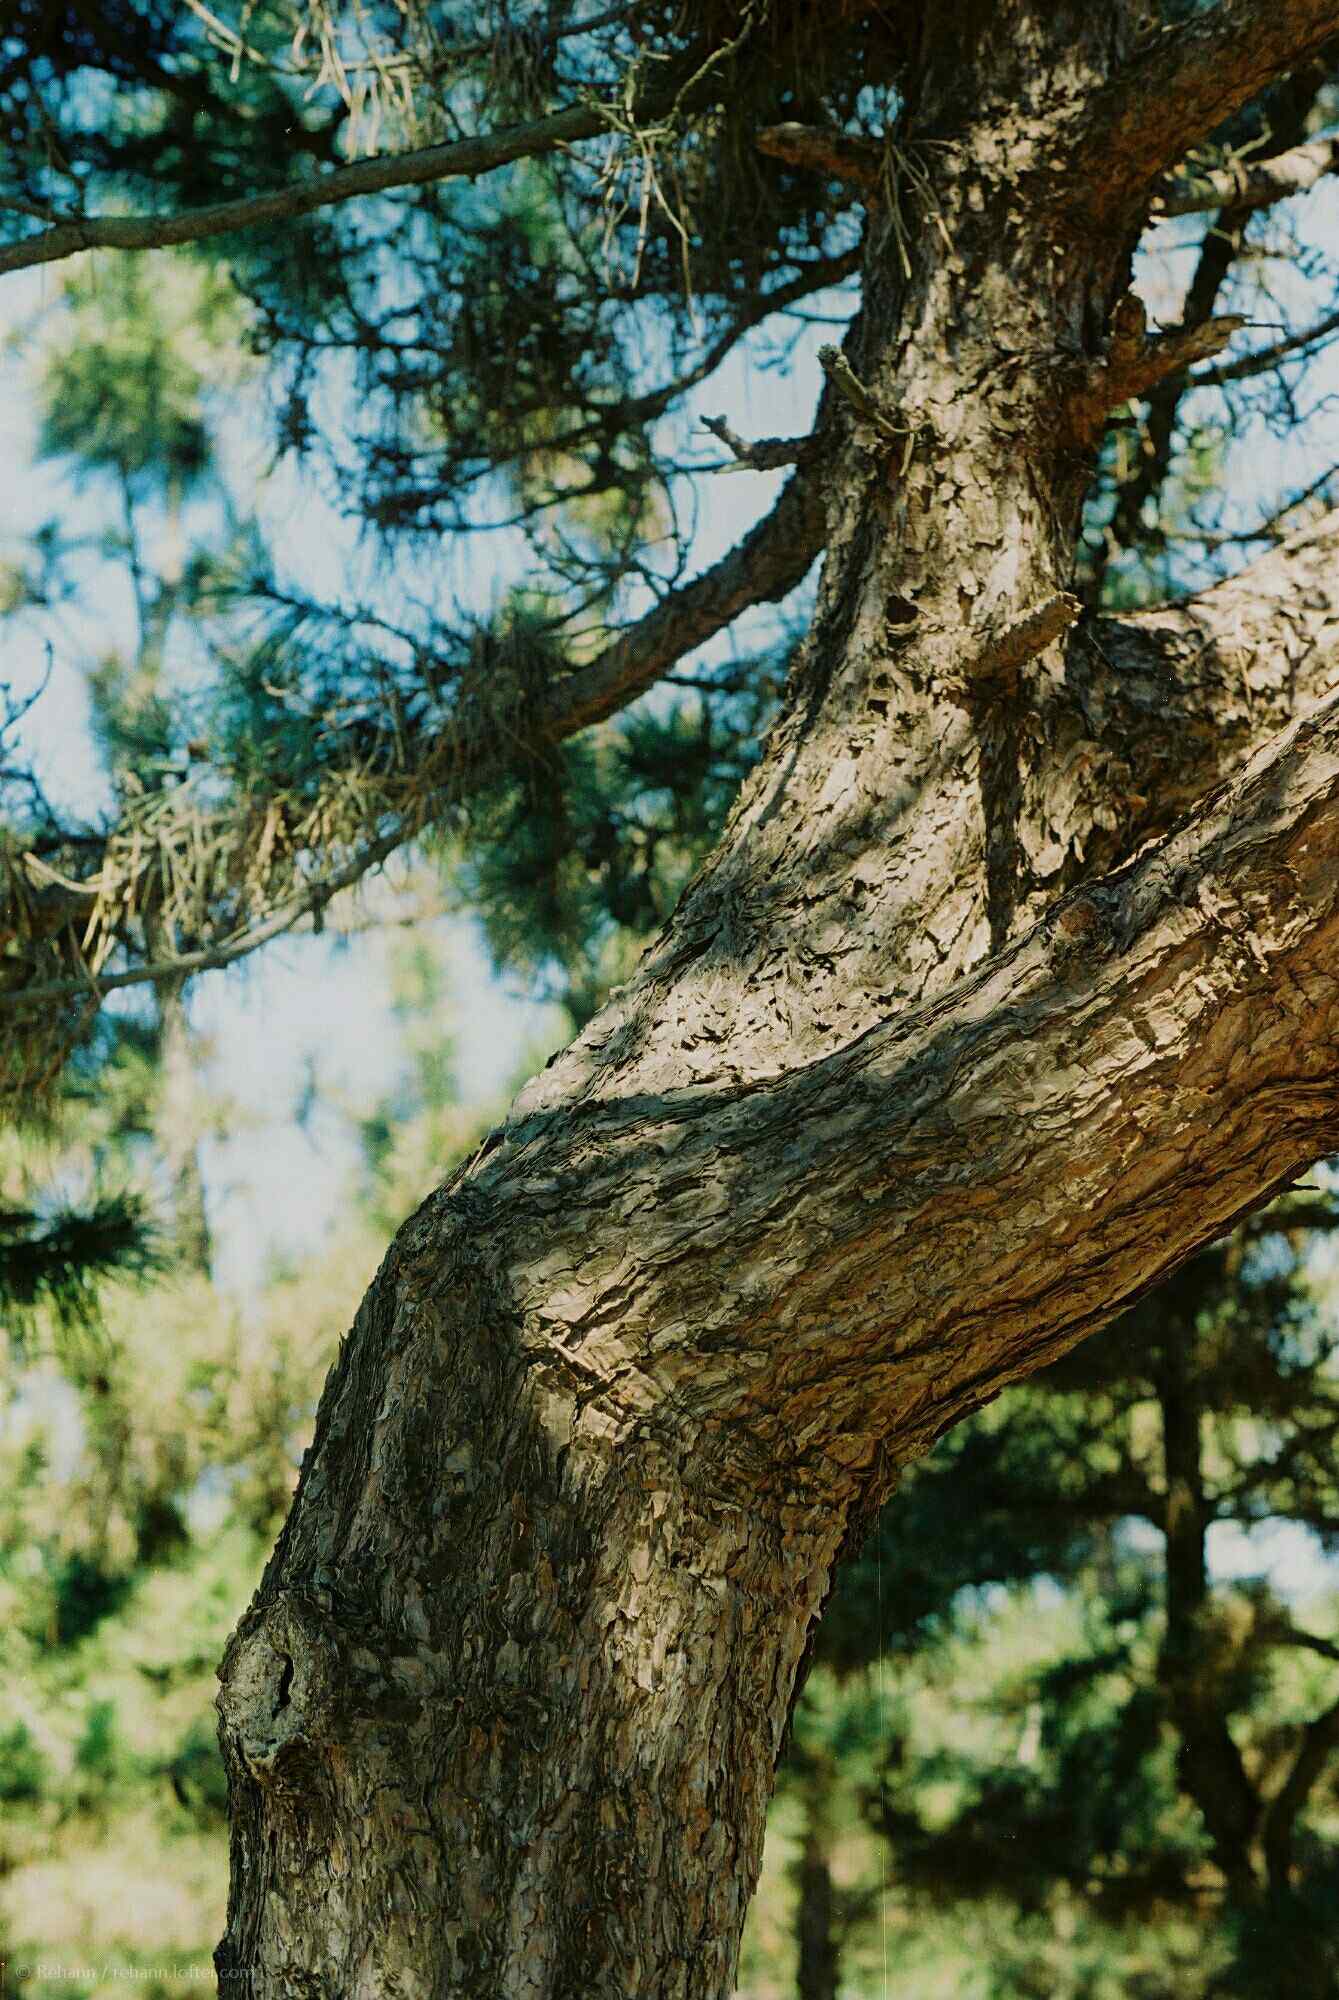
[{"x": 816, "y": 1928}]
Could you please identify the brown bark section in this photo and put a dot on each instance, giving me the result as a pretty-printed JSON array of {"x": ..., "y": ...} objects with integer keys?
[
  {"x": 1185, "y": 82},
  {"x": 908, "y": 1098}
]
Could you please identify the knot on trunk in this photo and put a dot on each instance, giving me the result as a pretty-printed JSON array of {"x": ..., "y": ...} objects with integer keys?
[{"x": 282, "y": 1691}]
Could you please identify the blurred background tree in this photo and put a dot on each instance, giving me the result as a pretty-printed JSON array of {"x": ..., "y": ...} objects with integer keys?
[
  {"x": 1105, "y": 1760},
  {"x": 146, "y": 1464}
]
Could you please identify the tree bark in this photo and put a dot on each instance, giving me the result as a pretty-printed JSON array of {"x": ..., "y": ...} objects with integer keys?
[{"x": 906, "y": 1099}]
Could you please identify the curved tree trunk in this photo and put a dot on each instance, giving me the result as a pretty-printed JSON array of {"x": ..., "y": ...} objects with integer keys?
[{"x": 902, "y": 1104}]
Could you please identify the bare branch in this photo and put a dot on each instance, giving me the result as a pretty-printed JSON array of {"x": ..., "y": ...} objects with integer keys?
[
  {"x": 1250, "y": 184},
  {"x": 760, "y": 455},
  {"x": 1187, "y": 80},
  {"x": 1297, "y": 344},
  {"x": 1286, "y": 110}
]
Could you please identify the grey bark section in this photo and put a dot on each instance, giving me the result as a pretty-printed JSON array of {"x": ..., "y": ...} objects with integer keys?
[{"x": 956, "y": 1045}]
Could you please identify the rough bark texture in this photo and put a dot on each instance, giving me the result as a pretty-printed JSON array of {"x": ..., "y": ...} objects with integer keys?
[{"x": 938, "y": 1065}]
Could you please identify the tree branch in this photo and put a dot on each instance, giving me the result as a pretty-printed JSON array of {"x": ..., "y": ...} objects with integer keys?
[
  {"x": 992, "y": 1174},
  {"x": 758, "y": 454},
  {"x": 1288, "y": 1634},
  {"x": 1319, "y": 1739},
  {"x": 1287, "y": 110},
  {"x": 1136, "y": 363},
  {"x": 1249, "y": 184},
  {"x": 459, "y": 159},
  {"x": 825, "y": 150},
  {"x": 1261, "y": 362},
  {"x": 764, "y": 567},
  {"x": 1187, "y": 81},
  {"x": 1159, "y": 706}
]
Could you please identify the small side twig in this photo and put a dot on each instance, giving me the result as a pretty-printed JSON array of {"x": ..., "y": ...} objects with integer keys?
[
  {"x": 1249, "y": 184},
  {"x": 887, "y": 428},
  {"x": 760, "y": 455}
]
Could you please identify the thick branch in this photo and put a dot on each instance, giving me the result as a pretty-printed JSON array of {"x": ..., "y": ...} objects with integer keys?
[
  {"x": 991, "y": 1176},
  {"x": 1159, "y": 706},
  {"x": 825, "y": 150},
  {"x": 1251, "y": 183},
  {"x": 1186, "y": 82}
]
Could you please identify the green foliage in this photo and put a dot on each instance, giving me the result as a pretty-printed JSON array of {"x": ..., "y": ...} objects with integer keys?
[
  {"x": 58, "y": 1260},
  {"x": 142, "y": 1484},
  {"x": 125, "y": 386},
  {"x": 576, "y": 859},
  {"x": 23, "y": 1773},
  {"x": 1055, "y": 1654}
]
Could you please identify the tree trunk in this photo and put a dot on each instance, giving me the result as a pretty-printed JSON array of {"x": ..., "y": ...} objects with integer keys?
[{"x": 899, "y": 1106}]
